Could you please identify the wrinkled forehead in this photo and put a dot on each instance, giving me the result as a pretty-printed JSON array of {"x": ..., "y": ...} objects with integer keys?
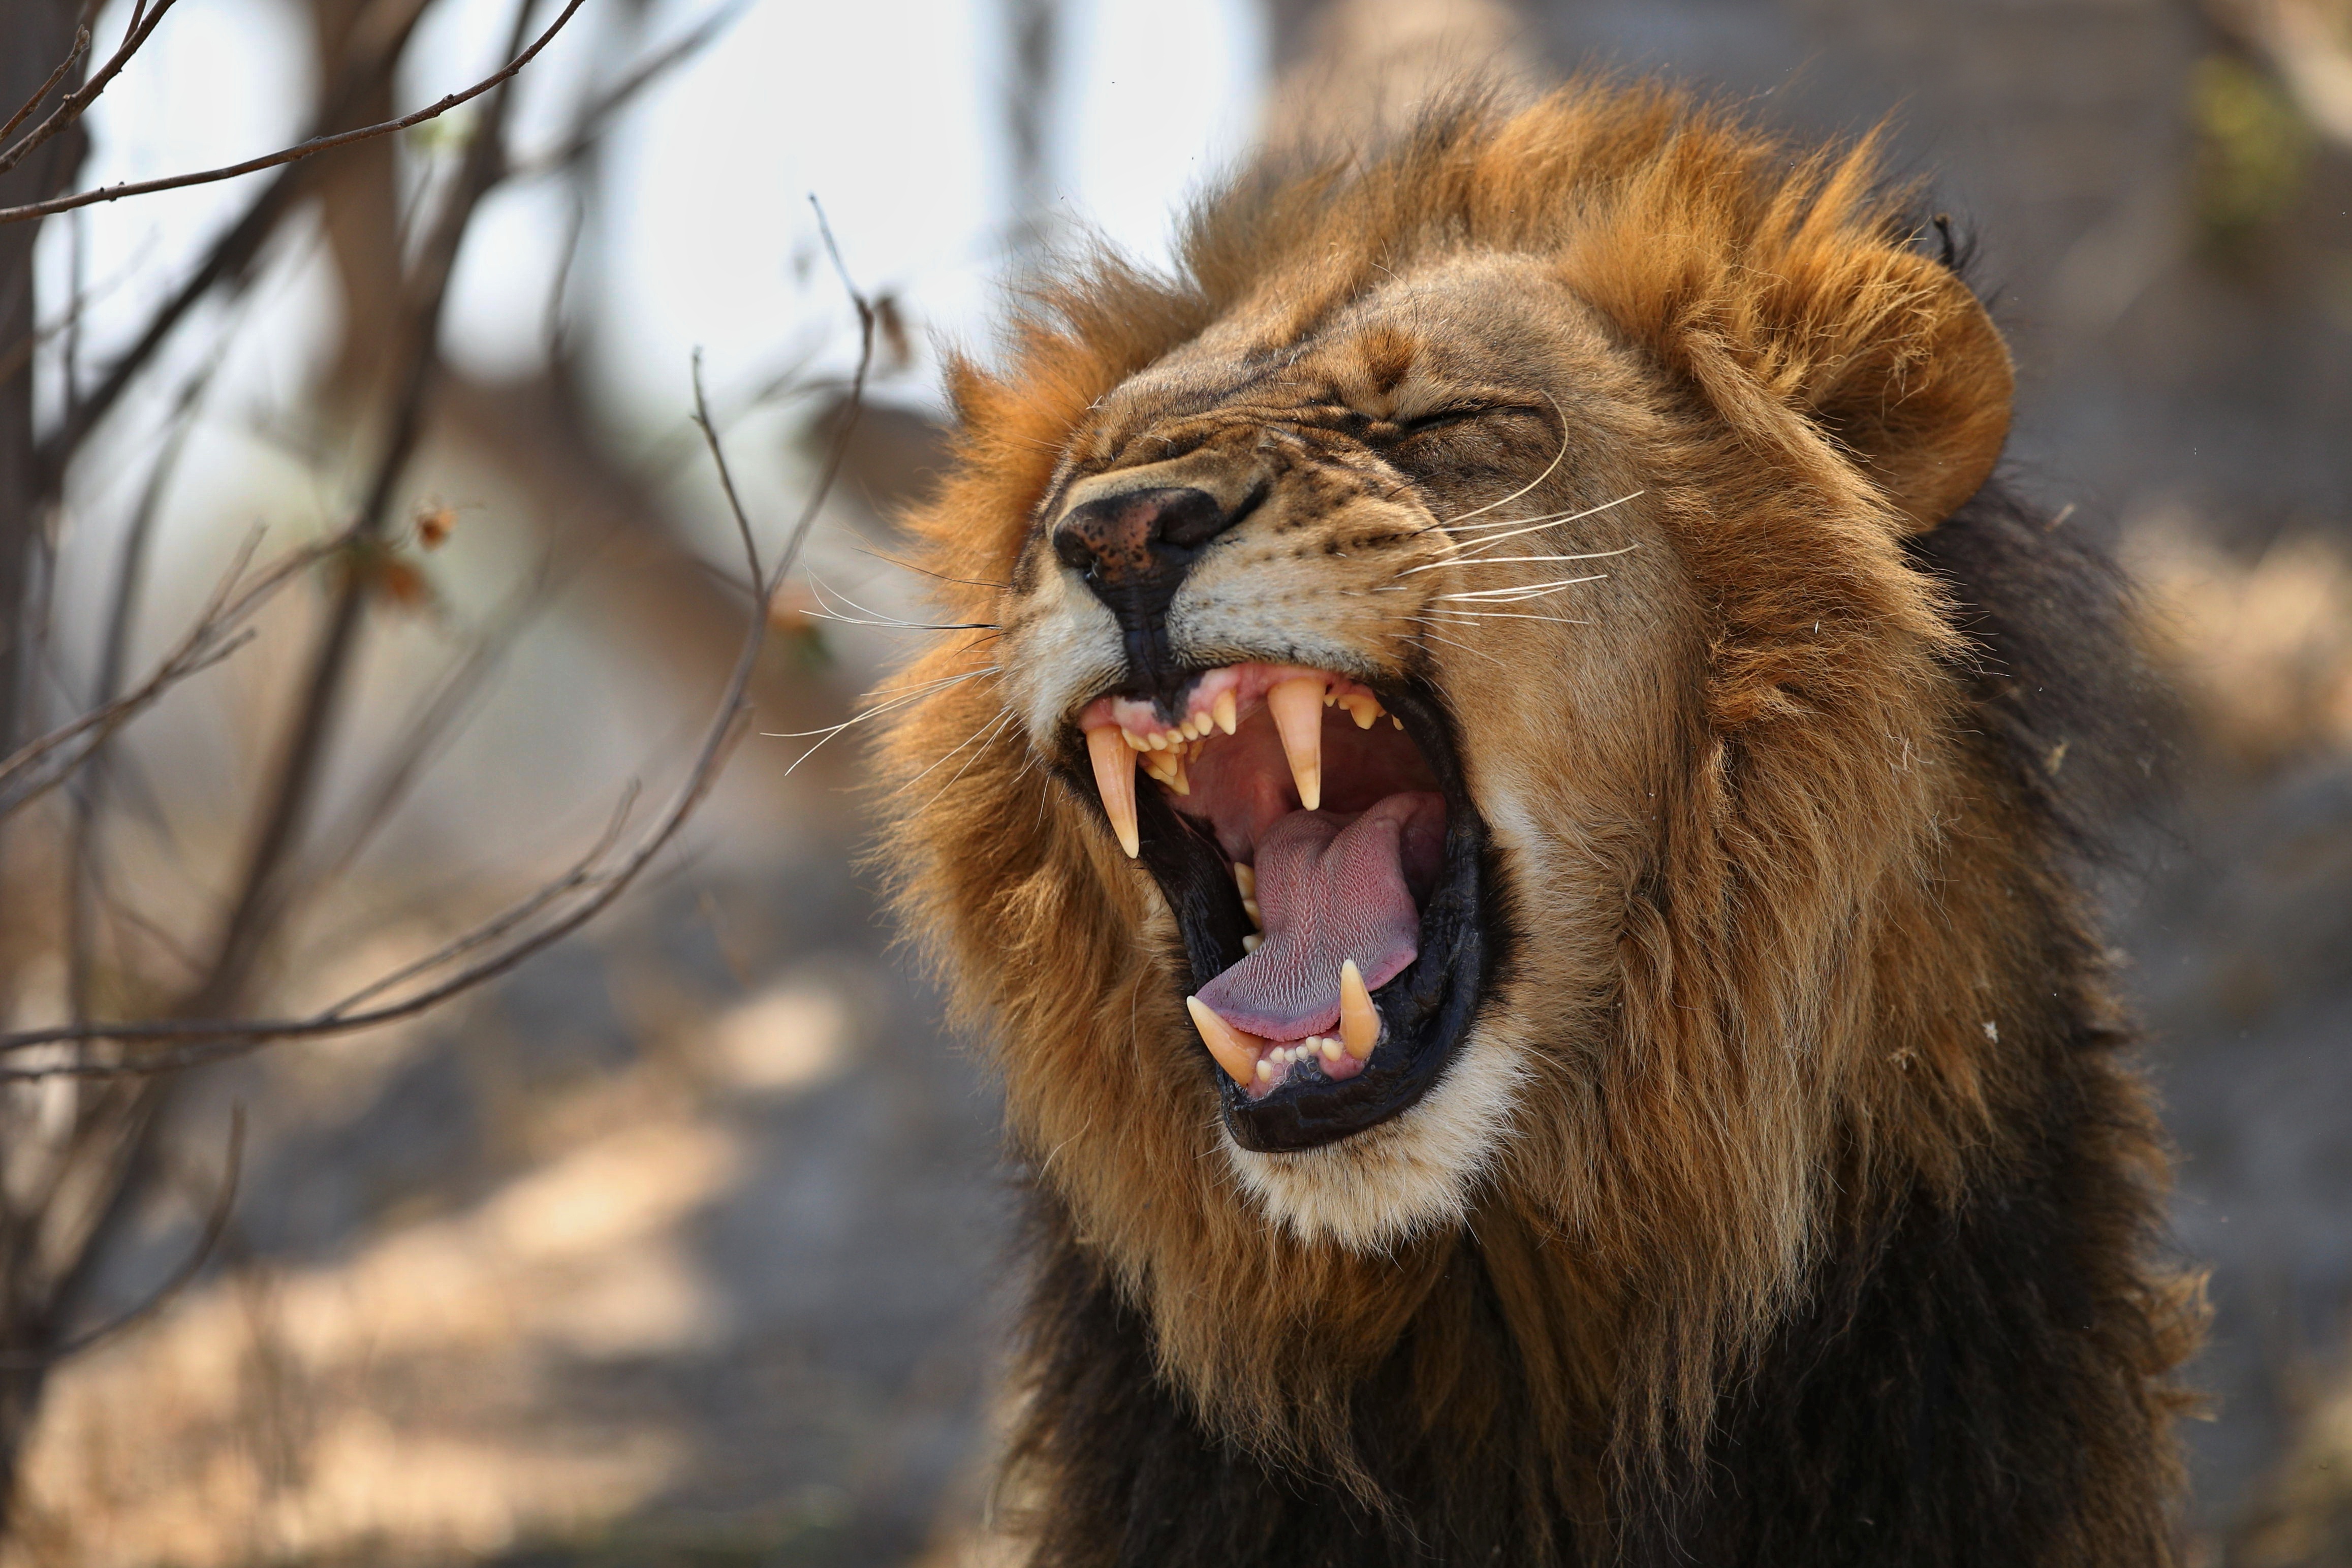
[{"x": 1462, "y": 326}]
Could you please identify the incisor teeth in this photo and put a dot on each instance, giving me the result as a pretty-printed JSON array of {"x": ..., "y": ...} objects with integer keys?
[
  {"x": 1359, "y": 1021},
  {"x": 1136, "y": 741},
  {"x": 1332, "y": 1050},
  {"x": 1252, "y": 942},
  {"x": 1226, "y": 1043},
  {"x": 1115, "y": 778},
  {"x": 1225, "y": 711},
  {"x": 1297, "y": 709}
]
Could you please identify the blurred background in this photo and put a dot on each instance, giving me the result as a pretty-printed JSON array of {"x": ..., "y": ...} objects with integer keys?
[{"x": 681, "y": 1239}]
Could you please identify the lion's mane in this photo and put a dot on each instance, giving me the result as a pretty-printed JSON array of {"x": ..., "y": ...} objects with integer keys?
[{"x": 1793, "y": 1158}]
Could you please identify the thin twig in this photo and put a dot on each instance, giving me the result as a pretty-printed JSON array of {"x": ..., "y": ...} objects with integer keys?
[
  {"x": 301, "y": 149},
  {"x": 80, "y": 98},
  {"x": 218, "y": 632},
  {"x": 215, "y": 1226},
  {"x": 83, "y": 838},
  {"x": 262, "y": 889},
  {"x": 591, "y": 124},
  {"x": 199, "y": 1041},
  {"x": 80, "y": 47}
]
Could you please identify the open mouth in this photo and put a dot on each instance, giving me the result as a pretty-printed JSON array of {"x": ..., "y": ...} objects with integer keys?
[{"x": 1312, "y": 834}]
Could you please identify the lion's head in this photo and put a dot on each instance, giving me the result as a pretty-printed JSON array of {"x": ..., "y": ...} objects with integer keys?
[{"x": 1456, "y": 740}]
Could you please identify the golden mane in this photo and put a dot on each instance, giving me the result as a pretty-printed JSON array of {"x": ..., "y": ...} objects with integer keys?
[{"x": 1845, "y": 978}]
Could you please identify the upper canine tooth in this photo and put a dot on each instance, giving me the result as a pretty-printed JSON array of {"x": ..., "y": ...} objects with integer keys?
[
  {"x": 1245, "y": 878},
  {"x": 1225, "y": 711},
  {"x": 1297, "y": 708},
  {"x": 1227, "y": 1044},
  {"x": 1115, "y": 778},
  {"x": 1359, "y": 1021}
]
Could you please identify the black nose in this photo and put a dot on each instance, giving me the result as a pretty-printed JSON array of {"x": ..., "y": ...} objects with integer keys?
[{"x": 1136, "y": 548}]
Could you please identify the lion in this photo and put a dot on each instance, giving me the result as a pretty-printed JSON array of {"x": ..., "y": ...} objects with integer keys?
[{"x": 1513, "y": 802}]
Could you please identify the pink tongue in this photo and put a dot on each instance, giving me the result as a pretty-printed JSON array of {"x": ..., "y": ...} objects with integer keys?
[{"x": 1331, "y": 888}]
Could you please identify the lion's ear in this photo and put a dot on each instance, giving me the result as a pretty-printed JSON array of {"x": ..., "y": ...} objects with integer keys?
[{"x": 1921, "y": 396}]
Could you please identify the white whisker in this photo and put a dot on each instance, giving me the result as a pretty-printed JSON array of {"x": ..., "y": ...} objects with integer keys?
[
  {"x": 896, "y": 700},
  {"x": 1522, "y": 590},
  {"x": 1557, "y": 459},
  {"x": 868, "y": 616},
  {"x": 989, "y": 729},
  {"x": 1465, "y": 647},
  {"x": 1528, "y": 524},
  {"x": 1512, "y": 559},
  {"x": 995, "y": 731}
]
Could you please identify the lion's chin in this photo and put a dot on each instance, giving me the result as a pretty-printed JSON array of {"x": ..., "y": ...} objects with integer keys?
[{"x": 1416, "y": 1173}]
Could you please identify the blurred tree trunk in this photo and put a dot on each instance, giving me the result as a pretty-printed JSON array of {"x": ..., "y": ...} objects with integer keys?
[{"x": 34, "y": 36}]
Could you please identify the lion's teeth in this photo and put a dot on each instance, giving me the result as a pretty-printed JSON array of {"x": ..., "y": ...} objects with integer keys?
[
  {"x": 1136, "y": 741},
  {"x": 1226, "y": 1043},
  {"x": 1225, "y": 711},
  {"x": 1359, "y": 1021},
  {"x": 1332, "y": 1049},
  {"x": 1297, "y": 709},
  {"x": 1246, "y": 879},
  {"x": 1362, "y": 708},
  {"x": 1249, "y": 908},
  {"x": 1252, "y": 942},
  {"x": 1115, "y": 778}
]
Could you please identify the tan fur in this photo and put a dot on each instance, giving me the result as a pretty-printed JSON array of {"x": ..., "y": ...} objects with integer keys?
[{"x": 1764, "y": 886}]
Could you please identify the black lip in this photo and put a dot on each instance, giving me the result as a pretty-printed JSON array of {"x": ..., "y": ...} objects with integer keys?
[{"x": 1427, "y": 1009}]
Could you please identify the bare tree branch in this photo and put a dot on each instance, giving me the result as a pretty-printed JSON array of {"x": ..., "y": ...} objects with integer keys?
[
  {"x": 207, "y": 1243},
  {"x": 218, "y": 631},
  {"x": 73, "y": 56},
  {"x": 590, "y": 125},
  {"x": 301, "y": 149},
  {"x": 264, "y": 889},
  {"x": 593, "y": 883},
  {"x": 75, "y": 102}
]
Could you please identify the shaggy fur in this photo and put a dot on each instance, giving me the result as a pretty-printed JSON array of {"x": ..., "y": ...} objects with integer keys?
[{"x": 1788, "y": 1203}]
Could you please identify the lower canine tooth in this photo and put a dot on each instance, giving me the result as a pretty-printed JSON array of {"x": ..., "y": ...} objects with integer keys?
[
  {"x": 1226, "y": 1043},
  {"x": 1359, "y": 1021},
  {"x": 1297, "y": 709},
  {"x": 1115, "y": 779}
]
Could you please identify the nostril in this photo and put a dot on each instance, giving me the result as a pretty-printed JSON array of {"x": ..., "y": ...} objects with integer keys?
[{"x": 1140, "y": 538}]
